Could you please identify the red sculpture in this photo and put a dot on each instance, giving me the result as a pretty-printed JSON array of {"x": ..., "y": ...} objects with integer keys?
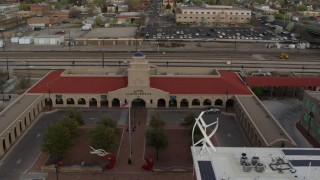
[{"x": 149, "y": 164}]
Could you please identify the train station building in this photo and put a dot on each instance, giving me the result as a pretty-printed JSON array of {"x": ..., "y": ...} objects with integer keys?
[{"x": 145, "y": 85}]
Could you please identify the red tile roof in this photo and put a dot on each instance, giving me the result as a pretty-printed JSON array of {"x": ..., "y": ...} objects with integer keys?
[
  {"x": 59, "y": 84},
  {"x": 282, "y": 81},
  {"x": 174, "y": 85},
  {"x": 199, "y": 85}
]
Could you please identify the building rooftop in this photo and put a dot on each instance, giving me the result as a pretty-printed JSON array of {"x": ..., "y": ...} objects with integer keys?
[
  {"x": 8, "y": 115},
  {"x": 282, "y": 81},
  {"x": 268, "y": 127},
  {"x": 269, "y": 163},
  {"x": 314, "y": 94}
]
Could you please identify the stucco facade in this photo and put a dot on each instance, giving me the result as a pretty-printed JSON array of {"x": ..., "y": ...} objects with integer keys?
[
  {"x": 214, "y": 14},
  {"x": 310, "y": 119}
]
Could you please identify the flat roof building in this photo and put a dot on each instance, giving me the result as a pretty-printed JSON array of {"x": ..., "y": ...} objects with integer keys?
[{"x": 213, "y": 14}]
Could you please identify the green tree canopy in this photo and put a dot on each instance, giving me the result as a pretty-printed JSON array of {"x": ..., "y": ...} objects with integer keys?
[
  {"x": 301, "y": 7},
  {"x": 99, "y": 21},
  {"x": 73, "y": 13},
  {"x": 270, "y": 18},
  {"x": 133, "y": 4},
  {"x": 189, "y": 120},
  {"x": 290, "y": 26},
  {"x": 156, "y": 121},
  {"x": 107, "y": 122},
  {"x": 157, "y": 138},
  {"x": 24, "y": 7},
  {"x": 57, "y": 141},
  {"x": 102, "y": 137},
  {"x": 72, "y": 125},
  {"x": 75, "y": 114},
  {"x": 99, "y": 3}
]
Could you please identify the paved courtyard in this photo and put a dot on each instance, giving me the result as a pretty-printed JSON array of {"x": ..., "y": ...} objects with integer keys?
[{"x": 288, "y": 112}]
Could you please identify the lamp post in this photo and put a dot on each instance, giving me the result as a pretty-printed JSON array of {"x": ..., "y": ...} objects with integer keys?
[
  {"x": 311, "y": 116},
  {"x": 57, "y": 170},
  {"x": 8, "y": 69},
  {"x": 227, "y": 101},
  {"x": 130, "y": 145},
  {"x": 235, "y": 43},
  {"x": 69, "y": 41}
]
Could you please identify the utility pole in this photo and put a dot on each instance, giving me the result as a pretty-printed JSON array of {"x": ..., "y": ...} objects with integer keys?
[
  {"x": 102, "y": 59},
  {"x": 69, "y": 41},
  {"x": 8, "y": 70}
]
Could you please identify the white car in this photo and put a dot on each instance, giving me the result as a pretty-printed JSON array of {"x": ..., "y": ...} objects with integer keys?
[{"x": 213, "y": 111}]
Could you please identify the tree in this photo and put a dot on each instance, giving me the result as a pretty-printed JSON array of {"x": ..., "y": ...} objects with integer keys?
[
  {"x": 290, "y": 26},
  {"x": 99, "y": 21},
  {"x": 189, "y": 120},
  {"x": 278, "y": 30},
  {"x": 76, "y": 115},
  {"x": 73, "y": 13},
  {"x": 168, "y": 6},
  {"x": 102, "y": 137},
  {"x": 258, "y": 15},
  {"x": 24, "y": 82},
  {"x": 114, "y": 20},
  {"x": 107, "y": 122},
  {"x": 99, "y": 3},
  {"x": 156, "y": 121},
  {"x": 157, "y": 138},
  {"x": 281, "y": 2},
  {"x": 301, "y": 7},
  {"x": 72, "y": 125},
  {"x": 258, "y": 91},
  {"x": 133, "y": 4},
  {"x": 24, "y": 7},
  {"x": 57, "y": 141},
  {"x": 270, "y": 18}
]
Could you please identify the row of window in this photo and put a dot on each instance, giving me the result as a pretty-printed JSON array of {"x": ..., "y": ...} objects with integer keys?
[
  {"x": 231, "y": 13},
  {"x": 213, "y": 18}
]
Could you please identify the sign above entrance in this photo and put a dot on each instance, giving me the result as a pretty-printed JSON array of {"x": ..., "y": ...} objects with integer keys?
[
  {"x": 104, "y": 96},
  {"x": 139, "y": 92}
]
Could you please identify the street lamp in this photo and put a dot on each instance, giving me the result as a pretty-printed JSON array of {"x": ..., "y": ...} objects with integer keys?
[
  {"x": 56, "y": 166},
  {"x": 227, "y": 101},
  {"x": 311, "y": 117}
]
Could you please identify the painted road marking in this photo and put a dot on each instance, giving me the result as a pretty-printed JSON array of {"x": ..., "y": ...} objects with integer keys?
[
  {"x": 38, "y": 135},
  {"x": 229, "y": 135}
]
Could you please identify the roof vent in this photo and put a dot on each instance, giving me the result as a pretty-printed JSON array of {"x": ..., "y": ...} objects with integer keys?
[
  {"x": 247, "y": 167},
  {"x": 259, "y": 167},
  {"x": 255, "y": 160},
  {"x": 243, "y": 160}
]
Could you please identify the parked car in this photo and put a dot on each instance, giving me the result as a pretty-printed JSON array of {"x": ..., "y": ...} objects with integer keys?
[{"x": 213, "y": 110}]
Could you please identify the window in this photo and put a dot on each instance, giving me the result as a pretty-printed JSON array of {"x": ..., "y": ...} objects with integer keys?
[
  {"x": 313, "y": 108},
  {"x": 311, "y": 122},
  {"x": 190, "y": 17},
  {"x": 305, "y": 116},
  {"x": 236, "y": 13},
  {"x": 248, "y": 13},
  {"x": 191, "y": 12},
  {"x": 208, "y": 12},
  {"x": 307, "y": 103},
  {"x": 318, "y": 130},
  {"x": 202, "y": 12},
  {"x": 197, "y": 12},
  {"x": 242, "y": 13},
  {"x": 213, "y": 12},
  {"x": 213, "y": 18},
  {"x": 230, "y": 13}
]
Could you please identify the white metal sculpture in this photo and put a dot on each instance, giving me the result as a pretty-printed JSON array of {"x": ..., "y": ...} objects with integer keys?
[
  {"x": 99, "y": 152},
  {"x": 206, "y": 142}
]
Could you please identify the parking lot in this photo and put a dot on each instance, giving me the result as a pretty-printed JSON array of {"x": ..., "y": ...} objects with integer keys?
[{"x": 216, "y": 33}]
